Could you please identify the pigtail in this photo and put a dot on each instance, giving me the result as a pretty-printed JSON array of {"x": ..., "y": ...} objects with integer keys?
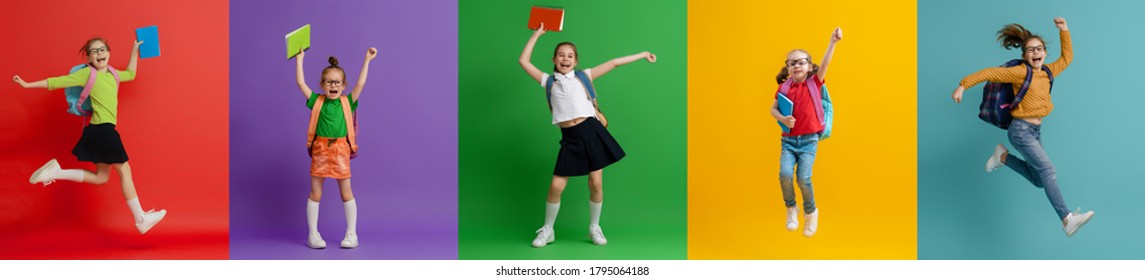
[{"x": 782, "y": 77}]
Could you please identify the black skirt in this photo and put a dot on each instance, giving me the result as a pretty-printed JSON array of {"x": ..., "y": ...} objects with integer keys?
[
  {"x": 100, "y": 143},
  {"x": 586, "y": 147}
]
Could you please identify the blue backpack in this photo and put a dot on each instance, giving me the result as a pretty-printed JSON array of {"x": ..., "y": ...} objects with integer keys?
[
  {"x": 825, "y": 110},
  {"x": 999, "y": 99},
  {"x": 77, "y": 97},
  {"x": 584, "y": 80}
]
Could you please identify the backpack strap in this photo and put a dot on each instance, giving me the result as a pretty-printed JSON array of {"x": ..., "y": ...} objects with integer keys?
[
  {"x": 587, "y": 82},
  {"x": 114, "y": 73},
  {"x": 549, "y": 90},
  {"x": 313, "y": 127},
  {"x": 1026, "y": 85},
  {"x": 816, "y": 96},
  {"x": 351, "y": 133},
  {"x": 584, "y": 80},
  {"x": 93, "y": 74},
  {"x": 785, "y": 86}
]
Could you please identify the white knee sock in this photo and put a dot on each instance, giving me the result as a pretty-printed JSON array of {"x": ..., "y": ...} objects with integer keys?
[
  {"x": 312, "y": 215},
  {"x": 351, "y": 216},
  {"x": 594, "y": 212},
  {"x": 136, "y": 210},
  {"x": 551, "y": 210},
  {"x": 74, "y": 175}
]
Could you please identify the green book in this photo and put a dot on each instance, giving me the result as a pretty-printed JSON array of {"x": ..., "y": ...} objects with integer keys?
[{"x": 296, "y": 40}]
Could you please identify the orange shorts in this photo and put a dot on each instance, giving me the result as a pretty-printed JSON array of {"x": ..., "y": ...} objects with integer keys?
[{"x": 330, "y": 158}]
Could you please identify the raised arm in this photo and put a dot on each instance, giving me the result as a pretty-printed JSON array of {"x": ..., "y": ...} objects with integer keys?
[
  {"x": 301, "y": 79},
  {"x": 36, "y": 84},
  {"x": 527, "y": 53},
  {"x": 607, "y": 66},
  {"x": 1066, "y": 45},
  {"x": 133, "y": 64},
  {"x": 835, "y": 37},
  {"x": 370, "y": 54}
]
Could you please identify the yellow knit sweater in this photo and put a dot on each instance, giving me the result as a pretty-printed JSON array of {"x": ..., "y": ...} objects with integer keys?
[{"x": 1036, "y": 103}]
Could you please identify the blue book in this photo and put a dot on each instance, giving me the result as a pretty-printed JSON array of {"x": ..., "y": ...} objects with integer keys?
[
  {"x": 150, "y": 37},
  {"x": 784, "y": 105}
]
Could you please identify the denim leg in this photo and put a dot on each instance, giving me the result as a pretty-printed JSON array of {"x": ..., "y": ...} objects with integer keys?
[
  {"x": 806, "y": 161},
  {"x": 787, "y": 173},
  {"x": 1026, "y": 138},
  {"x": 1020, "y": 166}
]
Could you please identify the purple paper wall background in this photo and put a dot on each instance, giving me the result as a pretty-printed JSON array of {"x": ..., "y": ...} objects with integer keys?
[{"x": 405, "y": 178}]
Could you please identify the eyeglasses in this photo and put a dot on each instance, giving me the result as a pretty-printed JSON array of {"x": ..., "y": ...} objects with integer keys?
[
  {"x": 333, "y": 83},
  {"x": 797, "y": 62},
  {"x": 99, "y": 50},
  {"x": 1038, "y": 48}
]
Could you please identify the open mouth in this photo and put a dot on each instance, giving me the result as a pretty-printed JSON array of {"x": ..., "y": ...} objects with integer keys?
[
  {"x": 565, "y": 65},
  {"x": 1037, "y": 59},
  {"x": 101, "y": 60}
]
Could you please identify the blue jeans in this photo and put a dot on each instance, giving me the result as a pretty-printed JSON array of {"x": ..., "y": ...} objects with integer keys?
[
  {"x": 798, "y": 150},
  {"x": 1037, "y": 168}
]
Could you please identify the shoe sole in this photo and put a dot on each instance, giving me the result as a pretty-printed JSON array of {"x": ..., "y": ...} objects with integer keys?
[
  {"x": 547, "y": 242},
  {"x": 32, "y": 180},
  {"x": 996, "y": 154},
  {"x": 148, "y": 228},
  {"x": 313, "y": 247},
  {"x": 594, "y": 241},
  {"x": 1086, "y": 221}
]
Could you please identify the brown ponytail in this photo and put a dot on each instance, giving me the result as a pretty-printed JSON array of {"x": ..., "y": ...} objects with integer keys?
[{"x": 1015, "y": 36}]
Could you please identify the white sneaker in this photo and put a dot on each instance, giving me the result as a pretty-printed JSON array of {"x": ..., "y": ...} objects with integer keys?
[
  {"x": 545, "y": 235},
  {"x": 597, "y": 235},
  {"x": 351, "y": 241},
  {"x": 1074, "y": 221},
  {"x": 995, "y": 160},
  {"x": 792, "y": 218},
  {"x": 46, "y": 174},
  {"x": 149, "y": 220},
  {"x": 812, "y": 224},
  {"x": 315, "y": 241}
]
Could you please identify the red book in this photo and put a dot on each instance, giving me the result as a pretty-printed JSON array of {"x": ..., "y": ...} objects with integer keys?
[{"x": 553, "y": 17}]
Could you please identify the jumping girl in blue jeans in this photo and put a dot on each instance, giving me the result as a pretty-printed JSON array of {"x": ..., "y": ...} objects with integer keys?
[
  {"x": 801, "y": 81},
  {"x": 1025, "y": 132}
]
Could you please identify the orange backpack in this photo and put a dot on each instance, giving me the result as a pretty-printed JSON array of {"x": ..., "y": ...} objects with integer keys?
[{"x": 351, "y": 128}]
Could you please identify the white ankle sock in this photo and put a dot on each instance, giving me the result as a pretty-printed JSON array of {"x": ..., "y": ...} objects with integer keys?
[
  {"x": 594, "y": 212},
  {"x": 351, "y": 216},
  {"x": 312, "y": 215},
  {"x": 74, "y": 175},
  {"x": 136, "y": 210},
  {"x": 551, "y": 210}
]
